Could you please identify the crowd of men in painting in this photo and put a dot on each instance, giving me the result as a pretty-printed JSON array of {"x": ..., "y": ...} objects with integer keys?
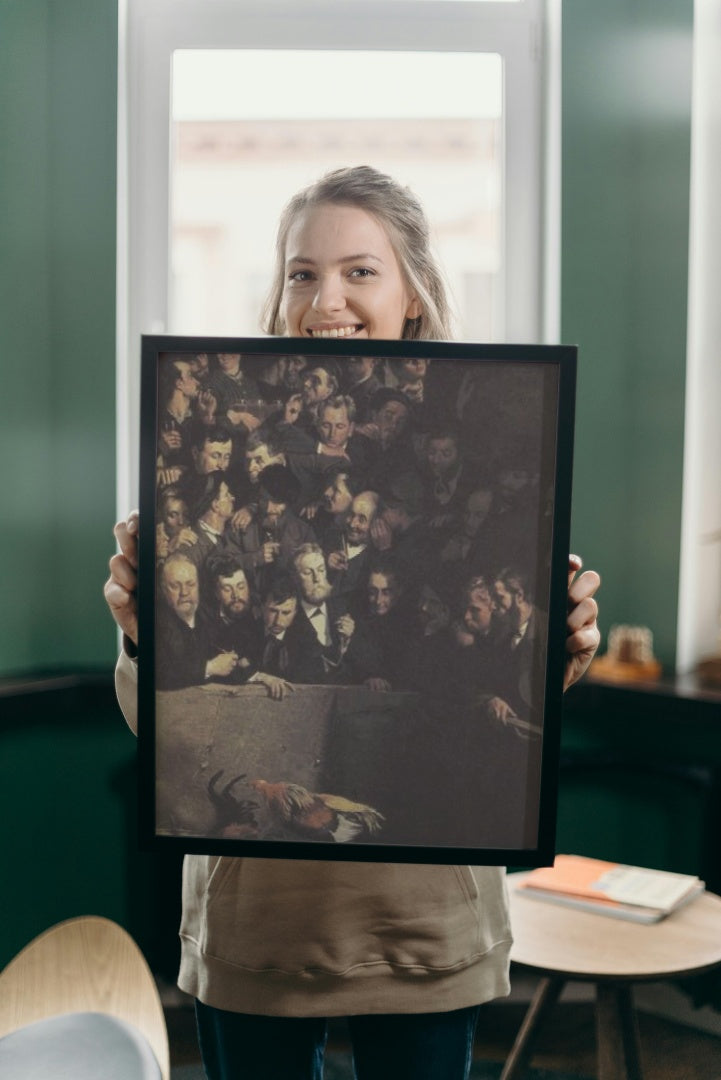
[{"x": 351, "y": 521}]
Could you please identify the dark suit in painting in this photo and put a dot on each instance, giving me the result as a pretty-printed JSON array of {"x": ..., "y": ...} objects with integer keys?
[{"x": 344, "y": 661}]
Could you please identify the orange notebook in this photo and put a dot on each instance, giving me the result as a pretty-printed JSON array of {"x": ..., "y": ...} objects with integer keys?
[{"x": 632, "y": 892}]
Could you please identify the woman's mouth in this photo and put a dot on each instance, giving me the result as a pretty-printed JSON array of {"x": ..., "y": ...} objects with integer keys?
[{"x": 334, "y": 331}]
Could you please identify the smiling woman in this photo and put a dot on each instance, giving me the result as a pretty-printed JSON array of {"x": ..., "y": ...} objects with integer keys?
[{"x": 353, "y": 260}]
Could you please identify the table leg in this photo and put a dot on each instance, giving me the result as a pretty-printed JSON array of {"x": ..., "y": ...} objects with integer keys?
[
  {"x": 545, "y": 997},
  {"x": 617, "y": 1033}
]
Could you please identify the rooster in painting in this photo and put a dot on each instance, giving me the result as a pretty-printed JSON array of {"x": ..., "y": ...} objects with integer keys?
[
  {"x": 317, "y": 817},
  {"x": 235, "y": 819}
]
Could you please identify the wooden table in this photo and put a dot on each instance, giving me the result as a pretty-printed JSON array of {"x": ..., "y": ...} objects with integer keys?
[{"x": 563, "y": 944}]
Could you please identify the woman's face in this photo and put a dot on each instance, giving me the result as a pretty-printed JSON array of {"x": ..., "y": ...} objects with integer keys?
[{"x": 342, "y": 277}]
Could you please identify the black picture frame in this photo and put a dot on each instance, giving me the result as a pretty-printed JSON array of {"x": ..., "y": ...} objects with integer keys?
[{"x": 432, "y": 770}]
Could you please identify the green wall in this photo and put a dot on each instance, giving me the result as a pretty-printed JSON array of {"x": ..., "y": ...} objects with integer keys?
[
  {"x": 626, "y": 146},
  {"x": 57, "y": 326}
]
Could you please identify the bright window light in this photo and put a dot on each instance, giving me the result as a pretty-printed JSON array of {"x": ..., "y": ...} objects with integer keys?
[{"x": 251, "y": 127}]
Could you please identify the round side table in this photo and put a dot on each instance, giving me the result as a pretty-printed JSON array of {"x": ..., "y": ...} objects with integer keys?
[{"x": 562, "y": 944}]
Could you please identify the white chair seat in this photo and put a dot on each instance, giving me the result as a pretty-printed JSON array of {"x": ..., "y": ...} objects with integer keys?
[{"x": 78, "y": 1046}]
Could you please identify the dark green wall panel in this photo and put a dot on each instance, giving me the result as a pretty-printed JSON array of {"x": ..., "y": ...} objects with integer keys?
[
  {"x": 58, "y": 80},
  {"x": 626, "y": 145}
]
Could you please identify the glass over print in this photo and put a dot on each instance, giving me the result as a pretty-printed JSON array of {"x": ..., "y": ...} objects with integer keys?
[{"x": 353, "y": 598}]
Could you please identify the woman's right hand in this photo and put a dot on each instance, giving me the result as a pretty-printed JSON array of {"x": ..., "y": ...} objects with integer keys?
[{"x": 121, "y": 587}]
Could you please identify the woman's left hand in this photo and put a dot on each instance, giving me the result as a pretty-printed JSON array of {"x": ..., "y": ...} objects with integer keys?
[{"x": 583, "y": 635}]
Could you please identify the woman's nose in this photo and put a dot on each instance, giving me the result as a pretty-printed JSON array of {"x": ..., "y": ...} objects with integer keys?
[{"x": 329, "y": 294}]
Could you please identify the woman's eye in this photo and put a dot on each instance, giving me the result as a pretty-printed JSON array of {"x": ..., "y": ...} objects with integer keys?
[
  {"x": 300, "y": 276},
  {"x": 362, "y": 272}
]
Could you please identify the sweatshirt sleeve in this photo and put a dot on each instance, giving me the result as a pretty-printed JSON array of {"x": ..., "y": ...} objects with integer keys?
[{"x": 126, "y": 689}]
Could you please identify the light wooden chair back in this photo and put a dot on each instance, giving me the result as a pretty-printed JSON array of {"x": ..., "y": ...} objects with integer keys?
[{"x": 87, "y": 964}]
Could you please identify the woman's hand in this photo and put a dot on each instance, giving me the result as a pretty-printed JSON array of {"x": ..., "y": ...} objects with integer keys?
[
  {"x": 583, "y": 635},
  {"x": 121, "y": 587}
]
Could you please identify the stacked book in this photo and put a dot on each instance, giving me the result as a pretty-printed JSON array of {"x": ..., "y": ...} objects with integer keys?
[{"x": 608, "y": 888}]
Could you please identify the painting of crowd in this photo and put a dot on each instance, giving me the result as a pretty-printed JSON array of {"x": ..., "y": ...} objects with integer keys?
[{"x": 354, "y": 521}]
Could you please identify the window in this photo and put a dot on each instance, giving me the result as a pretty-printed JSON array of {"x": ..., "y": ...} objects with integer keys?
[
  {"x": 463, "y": 126},
  {"x": 235, "y": 161}
]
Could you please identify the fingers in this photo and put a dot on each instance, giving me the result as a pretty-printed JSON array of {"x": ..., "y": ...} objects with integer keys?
[
  {"x": 582, "y": 607},
  {"x": 121, "y": 586},
  {"x": 583, "y": 636},
  {"x": 583, "y": 614},
  {"x": 122, "y": 606},
  {"x": 584, "y": 641},
  {"x": 123, "y": 573},
  {"x": 585, "y": 585},
  {"x": 381, "y": 534},
  {"x": 126, "y": 534},
  {"x": 242, "y": 519},
  {"x": 575, "y": 563},
  {"x": 282, "y": 688},
  {"x": 276, "y": 686},
  {"x": 581, "y": 648}
]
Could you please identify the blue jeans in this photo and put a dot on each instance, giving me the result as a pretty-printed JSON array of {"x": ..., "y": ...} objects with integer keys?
[{"x": 414, "y": 1046}]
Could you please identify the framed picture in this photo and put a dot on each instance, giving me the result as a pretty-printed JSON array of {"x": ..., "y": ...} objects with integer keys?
[{"x": 352, "y": 597}]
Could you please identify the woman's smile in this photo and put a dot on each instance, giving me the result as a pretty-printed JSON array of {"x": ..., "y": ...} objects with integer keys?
[{"x": 335, "y": 331}]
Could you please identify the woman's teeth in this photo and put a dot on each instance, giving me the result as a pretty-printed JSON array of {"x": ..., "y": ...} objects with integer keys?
[{"x": 336, "y": 332}]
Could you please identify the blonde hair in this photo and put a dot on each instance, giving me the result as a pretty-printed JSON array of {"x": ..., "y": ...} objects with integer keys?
[{"x": 403, "y": 217}]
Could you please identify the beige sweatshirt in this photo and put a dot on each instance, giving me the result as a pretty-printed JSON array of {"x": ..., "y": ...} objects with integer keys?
[{"x": 284, "y": 937}]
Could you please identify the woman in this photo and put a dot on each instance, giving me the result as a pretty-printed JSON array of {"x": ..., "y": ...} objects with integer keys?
[{"x": 271, "y": 948}]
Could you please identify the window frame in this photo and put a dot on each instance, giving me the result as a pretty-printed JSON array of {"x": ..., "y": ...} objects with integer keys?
[{"x": 526, "y": 34}]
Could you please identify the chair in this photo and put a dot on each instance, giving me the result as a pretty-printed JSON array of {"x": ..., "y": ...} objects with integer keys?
[{"x": 80, "y": 1001}]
